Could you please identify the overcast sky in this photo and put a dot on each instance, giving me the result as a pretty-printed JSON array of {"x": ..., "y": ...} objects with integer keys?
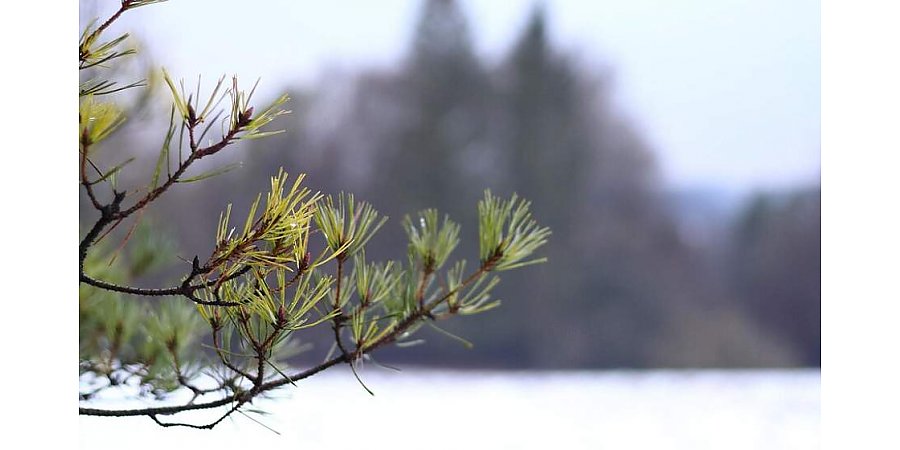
[{"x": 726, "y": 91}]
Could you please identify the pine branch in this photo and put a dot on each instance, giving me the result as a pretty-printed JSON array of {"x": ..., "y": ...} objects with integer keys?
[
  {"x": 244, "y": 397},
  {"x": 241, "y": 291}
]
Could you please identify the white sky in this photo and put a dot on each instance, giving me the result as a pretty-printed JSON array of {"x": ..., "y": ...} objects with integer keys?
[{"x": 726, "y": 91}]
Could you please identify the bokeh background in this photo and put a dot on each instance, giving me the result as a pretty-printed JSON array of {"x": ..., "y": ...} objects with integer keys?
[{"x": 673, "y": 148}]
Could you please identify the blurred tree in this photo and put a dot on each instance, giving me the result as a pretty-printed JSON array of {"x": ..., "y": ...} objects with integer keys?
[
  {"x": 626, "y": 289},
  {"x": 544, "y": 136},
  {"x": 443, "y": 94},
  {"x": 776, "y": 263},
  {"x": 540, "y": 125},
  {"x": 561, "y": 142}
]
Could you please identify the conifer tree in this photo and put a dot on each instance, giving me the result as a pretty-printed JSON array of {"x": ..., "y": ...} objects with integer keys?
[
  {"x": 548, "y": 149},
  {"x": 294, "y": 263},
  {"x": 564, "y": 145},
  {"x": 444, "y": 90},
  {"x": 775, "y": 260}
]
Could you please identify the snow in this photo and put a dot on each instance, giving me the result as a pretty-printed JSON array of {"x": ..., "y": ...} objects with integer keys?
[{"x": 499, "y": 410}]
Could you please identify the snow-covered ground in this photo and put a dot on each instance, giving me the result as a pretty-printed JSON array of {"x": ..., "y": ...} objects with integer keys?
[{"x": 428, "y": 409}]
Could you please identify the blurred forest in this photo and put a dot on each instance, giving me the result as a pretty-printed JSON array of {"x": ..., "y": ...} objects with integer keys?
[{"x": 639, "y": 275}]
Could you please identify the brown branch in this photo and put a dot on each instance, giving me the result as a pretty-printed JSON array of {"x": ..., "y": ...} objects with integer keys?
[
  {"x": 420, "y": 291},
  {"x": 197, "y": 154},
  {"x": 303, "y": 267},
  {"x": 88, "y": 186},
  {"x": 182, "y": 380},
  {"x": 208, "y": 426},
  {"x": 338, "y": 321},
  {"x": 223, "y": 357},
  {"x": 82, "y": 57},
  {"x": 106, "y": 216},
  {"x": 186, "y": 289},
  {"x": 127, "y": 237}
]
